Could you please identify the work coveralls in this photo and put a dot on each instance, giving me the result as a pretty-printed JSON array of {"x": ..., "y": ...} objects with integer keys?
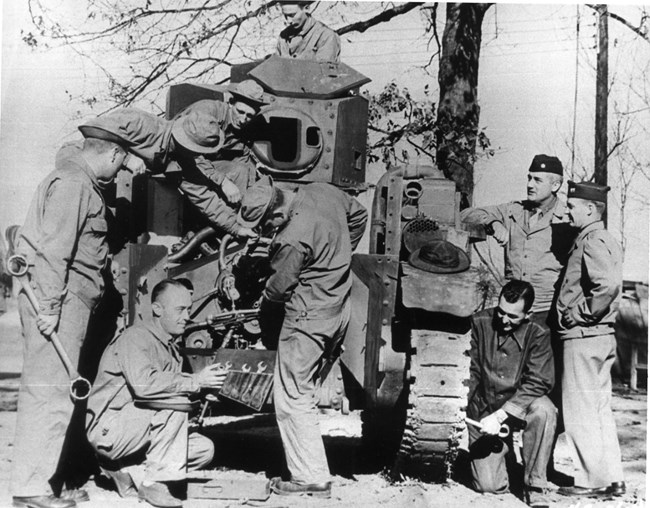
[
  {"x": 64, "y": 241},
  {"x": 513, "y": 372},
  {"x": 586, "y": 311},
  {"x": 150, "y": 138},
  {"x": 144, "y": 364},
  {"x": 315, "y": 41},
  {"x": 310, "y": 263}
]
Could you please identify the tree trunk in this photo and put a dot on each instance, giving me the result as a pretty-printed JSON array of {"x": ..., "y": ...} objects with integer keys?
[{"x": 458, "y": 110}]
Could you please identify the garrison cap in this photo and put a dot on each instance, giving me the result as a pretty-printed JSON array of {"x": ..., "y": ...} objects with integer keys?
[
  {"x": 198, "y": 130},
  {"x": 103, "y": 128},
  {"x": 588, "y": 190},
  {"x": 546, "y": 164},
  {"x": 256, "y": 202},
  {"x": 248, "y": 91}
]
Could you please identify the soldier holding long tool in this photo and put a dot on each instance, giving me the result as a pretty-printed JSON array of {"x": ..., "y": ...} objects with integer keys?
[
  {"x": 64, "y": 243},
  {"x": 511, "y": 374}
]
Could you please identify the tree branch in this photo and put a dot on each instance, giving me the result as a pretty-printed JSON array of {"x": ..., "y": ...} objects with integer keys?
[
  {"x": 636, "y": 29},
  {"x": 387, "y": 15}
]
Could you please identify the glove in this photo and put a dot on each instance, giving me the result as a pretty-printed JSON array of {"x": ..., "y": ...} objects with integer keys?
[{"x": 47, "y": 323}]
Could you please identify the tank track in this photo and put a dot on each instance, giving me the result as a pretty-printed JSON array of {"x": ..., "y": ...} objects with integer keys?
[{"x": 438, "y": 373}]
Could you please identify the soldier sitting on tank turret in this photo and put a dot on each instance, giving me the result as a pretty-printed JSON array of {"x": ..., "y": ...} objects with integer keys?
[
  {"x": 207, "y": 141},
  {"x": 511, "y": 374},
  {"x": 306, "y": 38}
]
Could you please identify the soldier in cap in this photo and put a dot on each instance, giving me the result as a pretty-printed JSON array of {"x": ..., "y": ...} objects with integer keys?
[
  {"x": 64, "y": 242},
  {"x": 306, "y": 38},
  {"x": 314, "y": 230},
  {"x": 201, "y": 140},
  {"x": 586, "y": 309},
  {"x": 534, "y": 233}
]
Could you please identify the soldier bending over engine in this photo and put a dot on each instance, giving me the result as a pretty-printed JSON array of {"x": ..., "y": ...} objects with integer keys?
[
  {"x": 315, "y": 230},
  {"x": 136, "y": 421},
  {"x": 207, "y": 141},
  {"x": 511, "y": 374}
]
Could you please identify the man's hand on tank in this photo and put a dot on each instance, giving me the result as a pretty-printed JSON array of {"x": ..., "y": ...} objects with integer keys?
[
  {"x": 231, "y": 191},
  {"x": 134, "y": 164},
  {"x": 211, "y": 376},
  {"x": 47, "y": 323},
  {"x": 491, "y": 425},
  {"x": 246, "y": 233},
  {"x": 500, "y": 233}
]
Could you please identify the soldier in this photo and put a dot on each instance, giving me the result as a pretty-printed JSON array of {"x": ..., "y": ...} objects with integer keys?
[
  {"x": 534, "y": 232},
  {"x": 207, "y": 142},
  {"x": 306, "y": 38},
  {"x": 136, "y": 421},
  {"x": 64, "y": 242},
  {"x": 315, "y": 230},
  {"x": 586, "y": 310},
  {"x": 511, "y": 374},
  {"x": 536, "y": 239}
]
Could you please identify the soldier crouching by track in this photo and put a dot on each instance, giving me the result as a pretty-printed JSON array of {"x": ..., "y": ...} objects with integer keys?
[
  {"x": 315, "y": 229},
  {"x": 137, "y": 411},
  {"x": 511, "y": 374}
]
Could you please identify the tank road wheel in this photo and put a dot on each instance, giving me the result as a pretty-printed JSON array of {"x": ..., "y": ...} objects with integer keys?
[{"x": 438, "y": 374}]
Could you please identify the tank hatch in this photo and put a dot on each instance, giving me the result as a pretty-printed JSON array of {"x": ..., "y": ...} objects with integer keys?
[{"x": 287, "y": 77}]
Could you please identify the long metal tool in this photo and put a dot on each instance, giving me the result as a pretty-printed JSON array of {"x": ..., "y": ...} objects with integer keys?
[{"x": 79, "y": 386}]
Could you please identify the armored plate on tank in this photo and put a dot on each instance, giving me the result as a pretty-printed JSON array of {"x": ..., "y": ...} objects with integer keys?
[{"x": 286, "y": 77}]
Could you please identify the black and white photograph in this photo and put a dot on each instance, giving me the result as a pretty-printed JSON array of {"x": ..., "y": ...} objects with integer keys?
[{"x": 323, "y": 253}]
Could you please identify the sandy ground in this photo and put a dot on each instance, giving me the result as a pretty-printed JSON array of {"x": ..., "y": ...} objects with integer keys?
[{"x": 244, "y": 455}]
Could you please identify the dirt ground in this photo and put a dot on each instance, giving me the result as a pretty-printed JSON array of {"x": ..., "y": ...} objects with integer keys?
[{"x": 244, "y": 454}]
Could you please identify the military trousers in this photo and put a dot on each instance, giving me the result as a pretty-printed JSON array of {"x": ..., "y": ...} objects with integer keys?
[
  {"x": 150, "y": 445},
  {"x": 44, "y": 403},
  {"x": 488, "y": 453},
  {"x": 588, "y": 417},
  {"x": 303, "y": 346}
]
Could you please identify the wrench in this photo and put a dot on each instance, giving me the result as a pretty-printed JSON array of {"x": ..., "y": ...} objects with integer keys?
[{"x": 79, "y": 386}]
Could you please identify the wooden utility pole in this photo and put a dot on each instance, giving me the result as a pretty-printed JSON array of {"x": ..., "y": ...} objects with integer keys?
[{"x": 602, "y": 80}]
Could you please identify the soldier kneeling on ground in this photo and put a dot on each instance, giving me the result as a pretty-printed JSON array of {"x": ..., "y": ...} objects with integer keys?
[
  {"x": 511, "y": 374},
  {"x": 136, "y": 419}
]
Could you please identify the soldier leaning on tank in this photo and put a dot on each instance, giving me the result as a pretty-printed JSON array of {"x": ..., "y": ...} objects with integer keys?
[
  {"x": 136, "y": 421},
  {"x": 306, "y": 38},
  {"x": 534, "y": 232},
  {"x": 586, "y": 310},
  {"x": 207, "y": 141},
  {"x": 511, "y": 374},
  {"x": 314, "y": 231},
  {"x": 64, "y": 242}
]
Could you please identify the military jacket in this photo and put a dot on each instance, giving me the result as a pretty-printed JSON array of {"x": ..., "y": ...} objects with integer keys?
[
  {"x": 315, "y": 41},
  {"x": 591, "y": 286},
  {"x": 142, "y": 363},
  {"x": 507, "y": 371},
  {"x": 64, "y": 235},
  {"x": 310, "y": 256},
  {"x": 536, "y": 253}
]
